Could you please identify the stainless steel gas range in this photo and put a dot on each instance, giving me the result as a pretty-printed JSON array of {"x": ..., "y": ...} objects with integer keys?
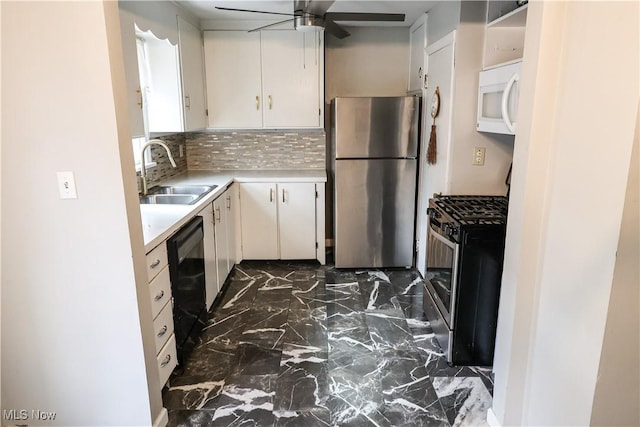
[{"x": 465, "y": 251}]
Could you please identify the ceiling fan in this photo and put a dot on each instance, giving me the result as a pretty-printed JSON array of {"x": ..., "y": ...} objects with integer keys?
[{"x": 312, "y": 15}]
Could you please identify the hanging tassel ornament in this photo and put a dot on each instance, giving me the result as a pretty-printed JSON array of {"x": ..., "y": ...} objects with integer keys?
[{"x": 432, "y": 150}]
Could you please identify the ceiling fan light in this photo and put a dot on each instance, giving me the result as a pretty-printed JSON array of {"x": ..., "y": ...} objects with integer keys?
[{"x": 307, "y": 22}]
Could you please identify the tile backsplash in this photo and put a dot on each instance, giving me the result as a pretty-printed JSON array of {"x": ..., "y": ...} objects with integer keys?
[
  {"x": 256, "y": 149},
  {"x": 163, "y": 169}
]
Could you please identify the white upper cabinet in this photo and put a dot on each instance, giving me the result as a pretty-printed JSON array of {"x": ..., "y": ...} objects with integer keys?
[
  {"x": 234, "y": 89},
  {"x": 504, "y": 37},
  {"x": 417, "y": 63},
  {"x": 290, "y": 76},
  {"x": 266, "y": 79},
  {"x": 192, "y": 74}
]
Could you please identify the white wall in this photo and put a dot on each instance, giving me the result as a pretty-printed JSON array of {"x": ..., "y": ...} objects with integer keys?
[
  {"x": 71, "y": 328},
  {"x": 571, "y": 162},
  {"x": 617, "y": 395},
  {"x": 443, "y": 18},
  {"x": 370, "y": 62}
]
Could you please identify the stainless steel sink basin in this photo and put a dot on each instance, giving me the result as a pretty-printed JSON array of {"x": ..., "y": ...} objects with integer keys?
[
  {"x": 169, "y": 199},
  {"x": 182, "y": 189},
  {"x": 176, "y": 194}
]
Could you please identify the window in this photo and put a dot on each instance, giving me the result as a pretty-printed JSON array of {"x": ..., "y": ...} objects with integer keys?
[{"x": 137, "y": 146}]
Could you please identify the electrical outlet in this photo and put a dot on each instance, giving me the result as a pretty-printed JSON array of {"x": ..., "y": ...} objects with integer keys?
[
  {"x": 67, "y": 185},
  {"x": 478, "y": 156}
]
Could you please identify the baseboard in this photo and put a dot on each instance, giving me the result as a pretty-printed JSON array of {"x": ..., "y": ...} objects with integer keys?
[
  {"x": 492, "y": 420},
  {"x": 163, "y": 418}
]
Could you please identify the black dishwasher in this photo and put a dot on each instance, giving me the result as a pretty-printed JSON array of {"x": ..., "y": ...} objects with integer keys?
[{"x": 186, "y": 269}]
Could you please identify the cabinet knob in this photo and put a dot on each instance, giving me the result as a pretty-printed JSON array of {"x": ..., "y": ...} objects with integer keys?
[
  {"x": 166, "y": 361},
  {"x": 163, "y": 331}
]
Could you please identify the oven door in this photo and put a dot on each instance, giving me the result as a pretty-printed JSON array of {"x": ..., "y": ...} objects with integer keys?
[{"x": 442, "y": 273}]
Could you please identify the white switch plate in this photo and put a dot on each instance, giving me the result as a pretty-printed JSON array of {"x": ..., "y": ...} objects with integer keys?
[
  {"x": 478, "y": 156},
  {"x": 67, "y": 185}
]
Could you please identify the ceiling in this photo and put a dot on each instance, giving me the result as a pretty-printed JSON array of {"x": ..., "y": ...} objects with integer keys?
[{"x": 206, "y": 11}]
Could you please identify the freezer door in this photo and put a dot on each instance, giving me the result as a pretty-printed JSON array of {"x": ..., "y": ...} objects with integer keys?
[
  {"x": 375, "y": 127},
  {"x": 374, "y": 213}
]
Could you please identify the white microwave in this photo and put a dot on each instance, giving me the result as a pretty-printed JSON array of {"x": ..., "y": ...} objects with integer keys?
[{"x": 498, "y": 90}]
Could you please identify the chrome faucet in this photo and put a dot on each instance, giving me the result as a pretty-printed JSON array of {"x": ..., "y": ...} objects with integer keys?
[{"x": 143, "y": 171}]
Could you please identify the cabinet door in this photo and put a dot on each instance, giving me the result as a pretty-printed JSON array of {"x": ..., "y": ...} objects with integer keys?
[
  {"x": 192, "y": 67},
  {"x": 418, "y": 37},
  {"x": 232, "y": 200},
  {"x": 210, "y": 266},
  {"x": 290, "y": 79},
  {"x": 222, "y": 251},
  {"x": 297, "y": 219},
  {"x": 258, "y": 219},
  {"x": 130, "y": 58},
  {"x": 232, "y": 60}
]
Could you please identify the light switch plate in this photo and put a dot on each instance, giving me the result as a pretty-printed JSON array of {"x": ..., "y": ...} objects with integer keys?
[{"x": 67, "y": 185}]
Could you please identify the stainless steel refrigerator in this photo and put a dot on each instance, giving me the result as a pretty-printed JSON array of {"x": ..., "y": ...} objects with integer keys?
[{"x": 374, "y": 162}]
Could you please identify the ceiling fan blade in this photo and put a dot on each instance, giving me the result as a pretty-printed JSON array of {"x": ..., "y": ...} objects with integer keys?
[
  {"x": 346, "y": 16},
  {"x": 314, "y": 7},
  {"x": 335, "y": 29},
  {"x": 270, "y": 25},
  {"x": 254, "y": 11}
]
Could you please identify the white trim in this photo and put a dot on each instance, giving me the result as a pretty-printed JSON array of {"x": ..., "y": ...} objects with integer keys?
[
  {"x": 492, "y": 419},
  {"x": 441, "y": 43},
  {"x": 162, "y": 419}
]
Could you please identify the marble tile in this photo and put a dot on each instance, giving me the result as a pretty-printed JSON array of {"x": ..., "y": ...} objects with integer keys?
[
  {"x": 239, "y": 292},
  {"x": 412, "y": 306},
  {"x": 191, "y": 392},
  {"x": 389, "y": 329},
  {"x": 378, "y": 295},
  {"x": 274, "y": 297},
  {"x": 244, "y": 400},
  {"x": 190, "y": 418},
  {"x": 305, "y": 418},
  {"x": 210, "y": 363},
  {"x": 407, "y": 282},
  {"x": 466, "y": 400},
  {"x": 307, "y": 327},
  {"x": 224, "y": 329},
  {"x": 265, "y": 325},
  {"x": 302, "y": 383},
  {"x": 256, "y": 359}
]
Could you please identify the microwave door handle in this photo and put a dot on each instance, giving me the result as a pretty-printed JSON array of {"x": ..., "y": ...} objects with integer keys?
[{"x": 505, "y": 103}]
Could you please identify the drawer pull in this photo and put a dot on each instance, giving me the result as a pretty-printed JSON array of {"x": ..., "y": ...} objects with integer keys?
[
  {"x": 159, "y": 296},
  {"x": 155, "y": 263},
  {"x": 166, "y": 361},
  {"x": 218, "y": 215},
  {"x": 163, "y": 331}
]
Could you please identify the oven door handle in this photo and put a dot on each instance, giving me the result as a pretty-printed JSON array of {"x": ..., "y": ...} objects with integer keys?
[{"x": 437, "y": 235}]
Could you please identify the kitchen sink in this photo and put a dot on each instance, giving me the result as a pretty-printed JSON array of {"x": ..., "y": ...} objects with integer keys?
[
  {"x": 182, "y": 189},
  {"x": 169, "y": 199},
  {"x": 176, "y": 194}
]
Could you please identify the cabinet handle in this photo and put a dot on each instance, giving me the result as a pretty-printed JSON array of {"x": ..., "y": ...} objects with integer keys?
[
  {"x": 139, "y": 102},
  {"x": 420, "y": 72},
  {"x": 218, "y": 215},
  {"x": 163, "y": 331},
  {"x": 155, "y": 263},
  {"x": 159, "y": 296},
  {"x": 257, "y": 102},
  {"x": 166, "y": 361},
  {"x": 187, "y": 103},
  {"x": 229, "y": 203},
  {"x": 270, "y": 102},
  {"x": 283, "y": 196},
  {"x": 271, "y": 195}
]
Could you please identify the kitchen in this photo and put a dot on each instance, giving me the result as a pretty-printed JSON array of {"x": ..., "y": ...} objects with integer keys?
[{"x": 102, "y": 224}]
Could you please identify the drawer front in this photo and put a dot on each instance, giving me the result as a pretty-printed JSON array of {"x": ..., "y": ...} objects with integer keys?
[
  {"x": 167, "y": 360},
  {"x": 163, "y": 326},
  {"x": 156, "y": 261},
  {"x": 160, "y": 291}
]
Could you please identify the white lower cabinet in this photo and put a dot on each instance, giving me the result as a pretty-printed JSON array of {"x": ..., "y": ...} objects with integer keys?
[
  {"x": 219, "y": 241},
  {"x": 162, "y": 310},
  {"x": 279, "y": 220}
]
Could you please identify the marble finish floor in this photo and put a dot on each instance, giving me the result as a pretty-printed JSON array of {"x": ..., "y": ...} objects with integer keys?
[{"x": 298, "y": 344}]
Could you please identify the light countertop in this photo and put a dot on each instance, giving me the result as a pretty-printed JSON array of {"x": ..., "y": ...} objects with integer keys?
[{"x": 159, "y": 222}]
